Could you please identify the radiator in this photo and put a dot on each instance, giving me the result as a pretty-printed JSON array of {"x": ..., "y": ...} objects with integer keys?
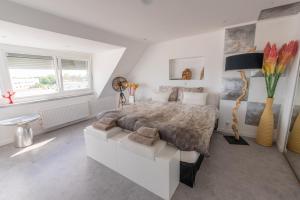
[{"x": 64, "y": 114}]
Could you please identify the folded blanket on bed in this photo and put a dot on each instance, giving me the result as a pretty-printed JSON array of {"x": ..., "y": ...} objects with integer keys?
[
  {"x": 103, "y": 127},
  {"x": 105, "y": 123},
  {"x": 108, "y": 120},
  {"x": 149, "y": 141},
  {"x": 148, "y": 132}
]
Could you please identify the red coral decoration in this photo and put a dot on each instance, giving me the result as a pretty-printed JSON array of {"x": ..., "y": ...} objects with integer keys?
[{"x": 8, "y": 95}]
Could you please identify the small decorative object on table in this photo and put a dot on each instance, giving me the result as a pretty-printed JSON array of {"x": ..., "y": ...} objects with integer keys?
[
  {"x": 187, "y": 74},
  {"x": 132, "y": 89},
  {"x": 8, "y": 95},
  {"x": 274, "y": 64}
]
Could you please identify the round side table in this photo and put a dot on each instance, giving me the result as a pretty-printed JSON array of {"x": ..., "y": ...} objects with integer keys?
[{"x": 23, "y": 134}]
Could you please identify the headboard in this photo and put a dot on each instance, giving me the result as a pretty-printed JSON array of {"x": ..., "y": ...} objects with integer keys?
[{"x": 212, "y": 98}]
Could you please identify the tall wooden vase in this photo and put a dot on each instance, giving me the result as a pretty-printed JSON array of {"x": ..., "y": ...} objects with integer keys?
[{"x": 264, "y": 135}]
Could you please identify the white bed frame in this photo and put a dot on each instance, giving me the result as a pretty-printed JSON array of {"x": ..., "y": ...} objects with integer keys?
[{"x": 158, "y": 173}]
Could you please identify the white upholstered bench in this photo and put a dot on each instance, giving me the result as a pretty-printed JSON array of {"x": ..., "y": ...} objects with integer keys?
[{"x": 156, "y": 168}]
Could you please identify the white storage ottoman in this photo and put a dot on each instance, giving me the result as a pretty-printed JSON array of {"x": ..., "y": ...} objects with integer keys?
[{"x": 156, "y": 168}]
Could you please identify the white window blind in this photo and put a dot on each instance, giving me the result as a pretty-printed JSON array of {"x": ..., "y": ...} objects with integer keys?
[
  {"x": 32, "y": 75},
  {"x": 75, "y": 74},
  {"x": 24, "y": 61}
]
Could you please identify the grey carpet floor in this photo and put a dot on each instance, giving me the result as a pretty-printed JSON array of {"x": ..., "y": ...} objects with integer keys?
[
  {"x": 294, "y": 159},
  {"x": 58, "y": 169}
]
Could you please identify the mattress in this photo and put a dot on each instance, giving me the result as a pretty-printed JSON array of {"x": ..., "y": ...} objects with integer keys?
[{"x": 189, "y": 156}]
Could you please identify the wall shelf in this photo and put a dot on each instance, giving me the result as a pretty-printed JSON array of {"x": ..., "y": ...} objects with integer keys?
[{"x": 178, "y": 65}]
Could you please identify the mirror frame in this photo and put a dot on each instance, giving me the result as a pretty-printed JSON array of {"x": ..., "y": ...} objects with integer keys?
[{"x": 296, "y": 88}]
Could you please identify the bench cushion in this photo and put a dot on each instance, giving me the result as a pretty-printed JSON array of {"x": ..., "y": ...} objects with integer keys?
[
  {"x": 149, "y": 152},
  {"x": 104, "y": 135}
]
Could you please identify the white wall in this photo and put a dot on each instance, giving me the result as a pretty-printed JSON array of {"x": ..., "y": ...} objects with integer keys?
[
  {"x": 256, "y": 93},
  {"x": 103, "y": 67},
  {"x": 279, "y": 31},
  {"x": 123, "y": 68},
  {"x": 153, "y": 68}
]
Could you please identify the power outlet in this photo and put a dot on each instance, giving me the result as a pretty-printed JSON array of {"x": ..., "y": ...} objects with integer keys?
[{"x": 227, "y": 124}]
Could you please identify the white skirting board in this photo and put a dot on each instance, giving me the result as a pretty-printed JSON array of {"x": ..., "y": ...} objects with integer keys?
[{"x": 159, "y": 175}]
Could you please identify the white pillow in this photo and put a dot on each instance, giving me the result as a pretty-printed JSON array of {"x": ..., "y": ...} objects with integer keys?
[
  {"x": 161, "y": 96},
  {"x": 192, "y": 98}
]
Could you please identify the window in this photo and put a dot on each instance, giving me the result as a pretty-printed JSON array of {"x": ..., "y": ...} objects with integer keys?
[
  {"x": 74, "y": 74},
  {"x": 49, "y": 75},
  {"x": 32, "y": 75}
]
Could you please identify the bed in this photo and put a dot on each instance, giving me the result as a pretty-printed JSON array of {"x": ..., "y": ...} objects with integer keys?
[{"x": 188, "y": 127}]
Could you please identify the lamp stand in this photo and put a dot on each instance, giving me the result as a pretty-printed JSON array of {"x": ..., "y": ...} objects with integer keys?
[
  {"x": 236, "y": 139},
  {"x": 122, "y": 99}
]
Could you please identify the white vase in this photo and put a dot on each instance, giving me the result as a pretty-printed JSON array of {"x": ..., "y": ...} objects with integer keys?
[{"x": 131, "y": 99}]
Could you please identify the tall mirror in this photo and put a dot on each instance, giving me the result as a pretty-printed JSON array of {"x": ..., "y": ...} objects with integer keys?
[{"x": 292, "y": 150}]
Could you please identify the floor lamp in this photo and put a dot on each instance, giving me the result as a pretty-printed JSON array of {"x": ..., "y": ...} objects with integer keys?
[{"x": 240, "y": 63}]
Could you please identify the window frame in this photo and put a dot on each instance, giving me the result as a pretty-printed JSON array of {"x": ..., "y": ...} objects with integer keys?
[
  {"x": 90, "y": 78},
  {"x": 6, "y": 82}
]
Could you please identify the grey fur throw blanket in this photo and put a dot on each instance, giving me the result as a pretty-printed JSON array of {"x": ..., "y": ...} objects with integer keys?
[{"x": 188, "y": 127}]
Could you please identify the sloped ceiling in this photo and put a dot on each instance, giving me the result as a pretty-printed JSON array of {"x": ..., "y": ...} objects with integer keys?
[
  {"x": 156, "y": 20},
  {"x": 19, "y": 35}
]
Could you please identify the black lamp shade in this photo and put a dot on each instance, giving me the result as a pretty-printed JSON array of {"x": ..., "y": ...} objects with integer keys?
[{"x": 244, "y": 61}]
